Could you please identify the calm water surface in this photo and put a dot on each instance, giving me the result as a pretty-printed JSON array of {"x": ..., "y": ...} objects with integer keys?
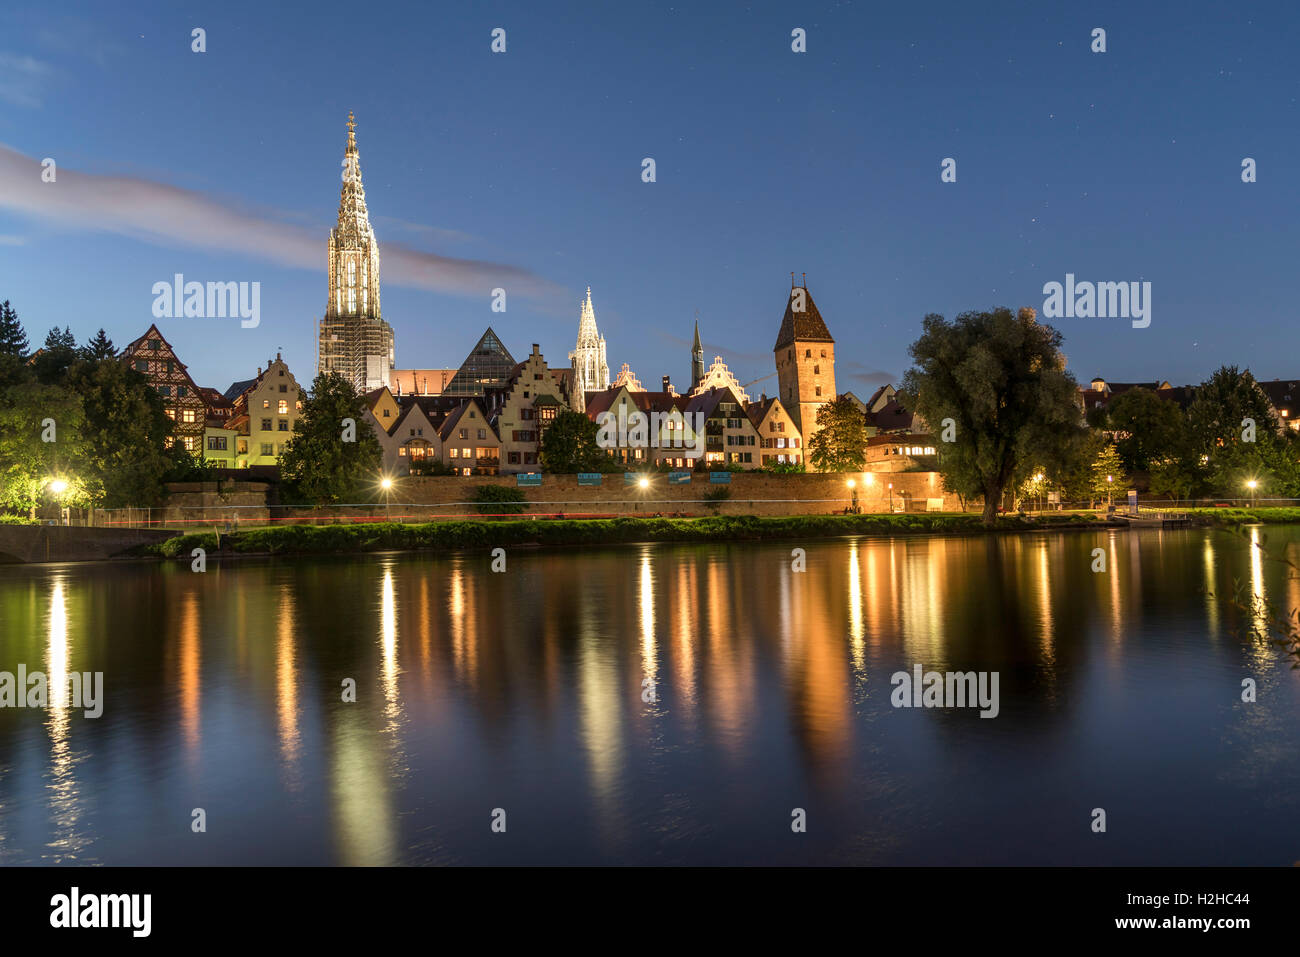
[{"x": 524, "y": 691}]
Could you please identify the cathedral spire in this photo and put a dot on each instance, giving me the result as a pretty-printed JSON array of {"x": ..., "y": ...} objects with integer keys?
[
  {"x": 353, "y": 217},
  {"x": 590, "y": 369}
]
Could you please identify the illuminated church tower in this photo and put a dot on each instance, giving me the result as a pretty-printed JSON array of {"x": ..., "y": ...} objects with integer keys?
[
  {"x": 590, "y": 370},
  {"x": 355, "y": 341}
]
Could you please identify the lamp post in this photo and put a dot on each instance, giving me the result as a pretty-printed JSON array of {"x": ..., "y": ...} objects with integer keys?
[
  {"x": 853, "y": 488},
  {"x": 387, "y": 485},
  {"x": 891, "y": 498},
  {"x": 1110, "y": 481},
  {"x": 57, "y": 486},
  {"x": 1252, "y": 485},
  {"x": 1038, "y": 489}
]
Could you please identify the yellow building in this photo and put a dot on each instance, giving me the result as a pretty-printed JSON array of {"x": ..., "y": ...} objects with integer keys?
[{"x": 266, "y": 411}]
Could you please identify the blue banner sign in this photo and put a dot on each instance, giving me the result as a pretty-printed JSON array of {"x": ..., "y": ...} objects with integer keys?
[
  {"x": 588, "y": 478},
  {"x": 528, "y": 478},
  {"x": 679, "y": 478},
  {"x": 719, "y": 478}
]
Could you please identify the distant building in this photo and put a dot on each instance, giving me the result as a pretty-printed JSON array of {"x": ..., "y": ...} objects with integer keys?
[
  {"x": 779, "y": 440},
  {"x": 730, "y": 436},
  {"x": 153, "y": 357},
  {"x": 354, "y": 340},
  {"x": 488, "y": 366},
  {"x": 805, "y": 360},
  {"x": 419, "y": 381},
  {"x": 265, "y": 412},
  {"x": 590, "y": 369},
  {"x": 529, "y": 404}
]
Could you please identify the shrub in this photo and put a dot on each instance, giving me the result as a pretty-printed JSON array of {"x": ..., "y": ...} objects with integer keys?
[{"x": 499, "y": 500}]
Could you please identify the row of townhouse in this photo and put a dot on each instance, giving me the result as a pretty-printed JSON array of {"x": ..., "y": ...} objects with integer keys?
[{"x": 498, "y": 432}]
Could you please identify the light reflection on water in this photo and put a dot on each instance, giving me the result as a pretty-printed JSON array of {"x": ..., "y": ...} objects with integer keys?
[{"x": 529, "y": 691}]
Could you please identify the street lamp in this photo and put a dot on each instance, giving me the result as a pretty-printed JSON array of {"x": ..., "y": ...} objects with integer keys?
[
  {"x": 1252, "y": 485},
  {"x": 57, "y": 487},
  {"x": 853, "y": 487},
  {"x": 891, "y": 498},
  {"x": 1110, "y": 479},
  {"x": 387, "y": 485}
]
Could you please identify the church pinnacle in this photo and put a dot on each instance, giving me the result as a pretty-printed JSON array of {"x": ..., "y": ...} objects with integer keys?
[{"x": 590, "y": 370}]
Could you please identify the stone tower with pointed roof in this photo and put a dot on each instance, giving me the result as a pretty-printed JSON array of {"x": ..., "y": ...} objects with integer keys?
[
  {"x": 590, "y": 370},
  {"x": 805, "y": 360},
  {"x": 355, "y": 341}
]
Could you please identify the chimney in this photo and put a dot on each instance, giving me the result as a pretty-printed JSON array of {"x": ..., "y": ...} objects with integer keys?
[
  {"x": 666, "y": 383},
  {"x": 535, "y": 349}
]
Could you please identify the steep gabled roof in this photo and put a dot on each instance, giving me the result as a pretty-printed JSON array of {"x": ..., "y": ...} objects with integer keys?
[{"x": 805, "y": 326}]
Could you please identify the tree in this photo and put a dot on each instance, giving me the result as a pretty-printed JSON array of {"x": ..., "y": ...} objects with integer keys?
[
  {"x": 13, "y": 340},
  {"x": 42, "y": 439},
  {"x": 1107, "y": 473},
  {"x": 570, "y": 445},
  {"x": 100, "y": 347},
  {"x": 840, "y": 442},
  {"x": 1148, "y": 429},
  {"x": 126, "y": 433},
  {"x": 317, "y": 465},
  {"x": 56, "y": 356},
  {"x": 1001, "y": 380},
  {"x": 1236, "y": 437}
]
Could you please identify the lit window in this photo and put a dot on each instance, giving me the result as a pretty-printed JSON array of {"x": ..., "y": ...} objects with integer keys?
[{"x": 284, "y": 407}]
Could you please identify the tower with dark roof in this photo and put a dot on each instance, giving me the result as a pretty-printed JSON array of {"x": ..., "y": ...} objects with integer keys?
[
  {"x": 697, "y": 358},
  {"x": 805, "y": 360}
]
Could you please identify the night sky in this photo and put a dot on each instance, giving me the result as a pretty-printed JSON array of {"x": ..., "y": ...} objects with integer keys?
[{"x": 523, "y": 170}]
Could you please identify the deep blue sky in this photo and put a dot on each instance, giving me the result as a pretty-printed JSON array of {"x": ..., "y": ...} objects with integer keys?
[{"x": 1115, "y": 166}]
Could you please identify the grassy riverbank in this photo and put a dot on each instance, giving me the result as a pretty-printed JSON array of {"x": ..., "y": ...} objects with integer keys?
[
  {"x": 1246, "y": 516},
  {"x": 383, "y": 536}
]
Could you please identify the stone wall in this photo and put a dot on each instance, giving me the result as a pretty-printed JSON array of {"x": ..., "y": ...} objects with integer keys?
[{"x": 416, "y": 497}]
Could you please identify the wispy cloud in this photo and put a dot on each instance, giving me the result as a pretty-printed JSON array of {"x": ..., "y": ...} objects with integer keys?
[
  {"x": 857, "y": 372},
  {"x": 22, "y": 79},
  {"x": 12, "y": 240},
  {"x": 164, "y": 214}
]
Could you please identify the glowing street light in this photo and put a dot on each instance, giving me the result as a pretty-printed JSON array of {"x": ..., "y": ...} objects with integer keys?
[
  {"x": 643, "y": 482},
  {"x": 853, "y": 487},
  {"x": 57, "y": 486},
  {"x": 1252, "y": 485},
  {"x": 386, "y": 484}
]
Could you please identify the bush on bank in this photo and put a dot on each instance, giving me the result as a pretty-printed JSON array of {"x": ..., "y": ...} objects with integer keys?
[{"x": 341, "y": 539}]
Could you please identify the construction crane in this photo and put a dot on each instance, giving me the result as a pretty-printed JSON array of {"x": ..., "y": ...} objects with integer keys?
[{"x": 759, "y": 379}]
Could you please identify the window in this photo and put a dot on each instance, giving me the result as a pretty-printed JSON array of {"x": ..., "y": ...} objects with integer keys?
[
  {"x": 188, "y": 442},
  {"x": 155, "y": 345},
  {"x": 819, "y": 390},
  {"x": 188, "y": 415},
  {"x": 283, "y": 425},
  {"x": 387, "y": 413},
  {"x": 141, "y": 365},
  {"x": 217, "y": 443},
  {"x": 266, "y": 425},
  {"x": 180, "y": 390},
  {"x": 298, "y": 406},
  {"x": 823, "y": 353},
  {"x": 454, "y": 453},
  {"x": 283, "y": 408},
  {"x": 402, "y": 450},
  {"x": 266, "y": 448},
  {"x": 164, "y": 390},
  {"x": 512, "y": 458},
  {"x": 241, "y": 446},
  {"x": 266, "y": 403},
  {"x": 283, "y": 387},
  {"x": 472, "y": 414},
  {"x": 527, "y": 414},
  {"x": 482, "y": 433},
  {"x": 817, "y": 370},
  {"x": 464, "y": 433},
  {"x": 281, "y": 373},
  {"x": 465, "y": 453},
  {"x": 807, "y": 353}
]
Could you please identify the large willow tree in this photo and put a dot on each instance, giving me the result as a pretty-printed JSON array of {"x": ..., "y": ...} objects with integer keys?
[{"x": 993, "y": 389}]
